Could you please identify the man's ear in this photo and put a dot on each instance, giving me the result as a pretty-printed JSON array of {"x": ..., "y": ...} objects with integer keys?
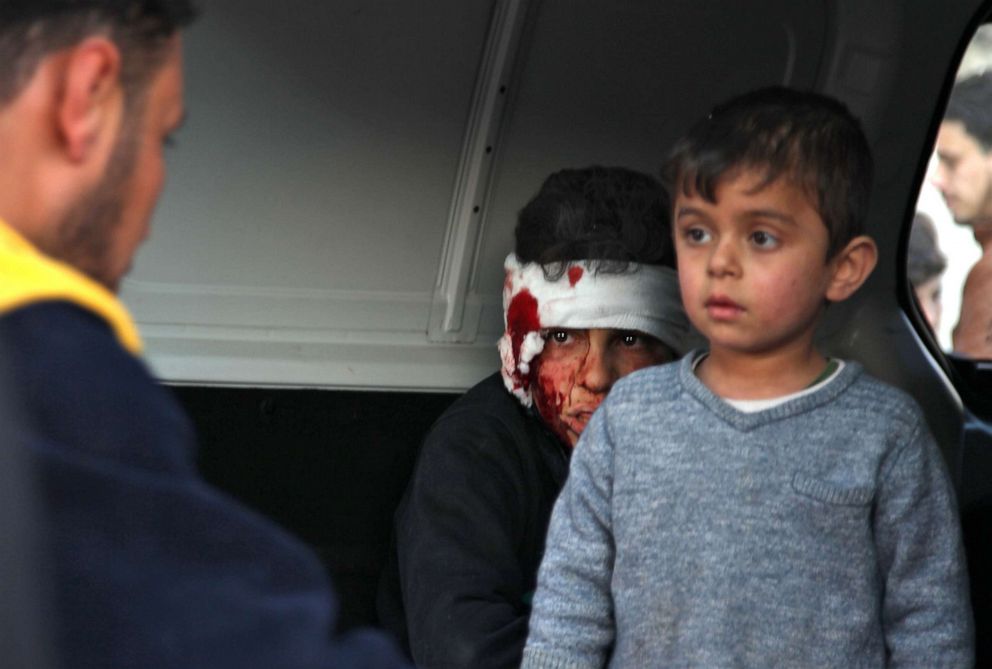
[
  {"x": 91, "y": 101},
  {"x": 851, "y": 267}
]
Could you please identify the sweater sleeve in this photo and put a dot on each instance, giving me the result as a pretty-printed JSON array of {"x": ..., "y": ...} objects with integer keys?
[
  {"x": 572, "y": 623},
  {"x": 926, "y": 613},
  {"x": 464, "y": 593}
]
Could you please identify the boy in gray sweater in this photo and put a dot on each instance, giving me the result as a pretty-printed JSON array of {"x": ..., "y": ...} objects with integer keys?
[{"x": 758, "y": 504}]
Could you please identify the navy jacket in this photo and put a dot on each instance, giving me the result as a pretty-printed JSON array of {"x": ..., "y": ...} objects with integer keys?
[{"x": 152, "y": 567}]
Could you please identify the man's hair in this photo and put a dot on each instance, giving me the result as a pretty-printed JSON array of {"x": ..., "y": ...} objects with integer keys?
[
  {"x": 971, "y": 105},
  {"x": 611, "y": 215},
  {"x": 33, "y": 29},
  {"x": 811, "y": 139},
  {"x": 924, "y": 259}
]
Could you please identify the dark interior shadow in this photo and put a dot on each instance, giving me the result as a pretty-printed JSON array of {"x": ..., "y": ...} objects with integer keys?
[{"x": 330, "y": 466}]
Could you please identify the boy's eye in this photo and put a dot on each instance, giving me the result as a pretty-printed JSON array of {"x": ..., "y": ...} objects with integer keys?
[
  {"x": 626, "y": 339},
  {"x": 764, "y": 239},
  {"x": 697, "y": 235},
  {"x": 635, "y": 340},
  {"x": 630, "y": 339},
  {"x": 558, "y": 336}
]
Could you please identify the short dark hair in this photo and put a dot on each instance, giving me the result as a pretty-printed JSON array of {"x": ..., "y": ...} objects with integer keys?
[
  {"x": 32, "y": 29},
  {"x": 812, "y": 139},
  {"x": 971, "y": 105},
  {"x": 611, "y": 215},
  {"x": 924, "y": 259}
]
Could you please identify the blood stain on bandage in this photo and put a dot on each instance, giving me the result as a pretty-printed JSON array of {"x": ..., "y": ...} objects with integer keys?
[
  {"x": 574, "y": 274},
  {"x": 521, "y": 318}
]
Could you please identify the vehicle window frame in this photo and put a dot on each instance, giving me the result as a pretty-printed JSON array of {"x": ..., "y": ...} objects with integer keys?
[{"x": 968, "y": 376}]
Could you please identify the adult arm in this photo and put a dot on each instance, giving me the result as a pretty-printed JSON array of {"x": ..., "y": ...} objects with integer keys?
[
  {"x": 572, "y": 624},
  {"x": 973, "y": 333},
  {"x": 157, "y": 570},
  {"x": 926, "y": 613},
  {"x": 458, "y": 532}
]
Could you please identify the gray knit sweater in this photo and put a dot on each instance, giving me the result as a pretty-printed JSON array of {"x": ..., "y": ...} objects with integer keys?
[{"x": 819, "y": 533}]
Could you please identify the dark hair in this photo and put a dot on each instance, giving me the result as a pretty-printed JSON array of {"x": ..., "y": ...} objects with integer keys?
[
  {"x": 810, "y": 138},
  {"x": 32, "y": 29},
  {"x": 924, "y": 259},
  {"x": 971, "y": 105},
  {"x": 611, "y": 215}
]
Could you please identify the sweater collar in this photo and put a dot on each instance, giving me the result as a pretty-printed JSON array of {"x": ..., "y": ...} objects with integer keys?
[
  {"x": 27, "y": 276},
  {"x": 747, "y": 421}
]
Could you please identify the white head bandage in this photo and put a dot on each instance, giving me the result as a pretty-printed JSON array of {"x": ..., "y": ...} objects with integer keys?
[{"x": 644, "y": 298}]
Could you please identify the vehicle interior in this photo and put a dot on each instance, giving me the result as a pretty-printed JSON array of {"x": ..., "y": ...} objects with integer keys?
[{"x": 323, "y": 277}]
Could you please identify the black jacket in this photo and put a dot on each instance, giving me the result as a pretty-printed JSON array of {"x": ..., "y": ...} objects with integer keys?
[{"x": 469, "y": 533}]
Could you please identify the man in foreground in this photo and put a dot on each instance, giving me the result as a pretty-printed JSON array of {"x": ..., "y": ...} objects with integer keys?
[{"x": 151, "y": 567}]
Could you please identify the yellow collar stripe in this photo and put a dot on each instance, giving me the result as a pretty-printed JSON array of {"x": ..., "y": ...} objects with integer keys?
[{"x": 27, "y": 277}]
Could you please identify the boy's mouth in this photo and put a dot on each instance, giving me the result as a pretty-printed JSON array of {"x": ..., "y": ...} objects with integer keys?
[{"x": 723, "y": 308}]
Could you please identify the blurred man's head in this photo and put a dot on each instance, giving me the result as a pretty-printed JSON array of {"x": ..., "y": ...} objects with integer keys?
[
  {"x": 964, "y": 151},
  {"x": 89, "y": 95}
]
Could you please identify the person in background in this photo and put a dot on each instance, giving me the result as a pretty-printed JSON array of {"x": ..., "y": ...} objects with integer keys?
[
  {"x": 758, "y": 504},
  {"x": 150, "y": 567},
  {"x": 590, "y": 295},
  {"x": 964, "y": 178},
  {"x": 925, "y": 266}
]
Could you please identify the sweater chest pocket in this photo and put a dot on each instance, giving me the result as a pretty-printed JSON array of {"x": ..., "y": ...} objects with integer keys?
[
  {"x": 832, "y": 520},
  {"x": 832, "y": 493}
]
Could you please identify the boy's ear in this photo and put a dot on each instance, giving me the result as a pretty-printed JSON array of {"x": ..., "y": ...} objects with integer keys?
[
  {"x": 90, "y": 105},
  {"x": 851, "y": 267}
]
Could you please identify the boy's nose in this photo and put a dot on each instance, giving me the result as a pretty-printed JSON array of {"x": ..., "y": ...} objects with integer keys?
[
  {"x": 595, "y": 374},
  {"x": 724, "y": 259}
]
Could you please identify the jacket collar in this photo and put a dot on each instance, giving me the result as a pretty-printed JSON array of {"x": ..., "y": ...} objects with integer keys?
[{"x": 27, "y": 276}]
